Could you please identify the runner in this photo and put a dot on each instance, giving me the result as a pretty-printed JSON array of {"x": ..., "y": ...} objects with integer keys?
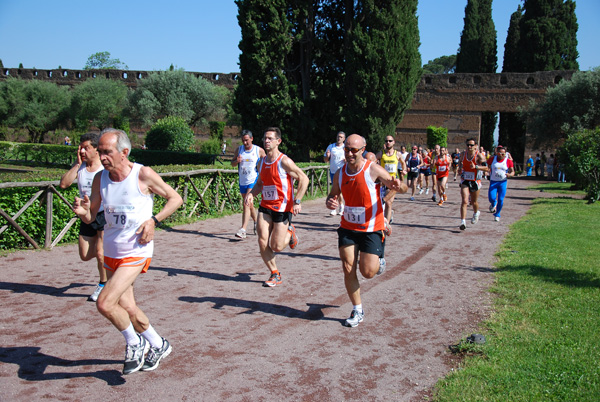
[
  {"x": 389, "y": 159},
  {"x": 425, "y": 172},
  {"x": 246, "y": 158},
  {"x": 455, "y": 161},
  {"x": 433, "y": 156},
  {"x": 276, "y": 176},
  {"x": 334, "y": 154},
  {"x": 126, "y": 190},
  {"x": 403, "y": 155},
  {"x": 501, "y": 169},
  {"x": 472, "y": 163},
  {"x": 442, "y": 171},
  {"x": 362, "y": 225},
  {"x": 413, "y": 162},
  {"x": 90, "y": 235}
]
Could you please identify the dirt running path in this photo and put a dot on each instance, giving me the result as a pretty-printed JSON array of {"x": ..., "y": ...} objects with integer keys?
[{"x": 235, "y": 340}]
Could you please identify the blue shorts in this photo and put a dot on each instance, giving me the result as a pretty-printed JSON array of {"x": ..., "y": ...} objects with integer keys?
[{"x": 244, "y": 189}]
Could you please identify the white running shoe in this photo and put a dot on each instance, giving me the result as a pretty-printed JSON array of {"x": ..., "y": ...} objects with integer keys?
[
  {"x": 496, "y": 219},
  {"x": 492, "y": 208},
  {"x": 94, "y": 296},
  {"x": 463, "y": 225},
  {"x": 421, "y": 191},
  {"x": 475, "y": 218},
  {"x": 333, "y": 212},
  {"x": 382, "y": 265},
  {"x": 427, "y": 191},
  {"x": 241, "y": 234},
  {"x": 354, "y": 319}
]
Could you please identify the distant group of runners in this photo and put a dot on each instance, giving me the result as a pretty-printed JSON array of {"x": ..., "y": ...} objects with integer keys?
[{"x": 116, "y": 201}]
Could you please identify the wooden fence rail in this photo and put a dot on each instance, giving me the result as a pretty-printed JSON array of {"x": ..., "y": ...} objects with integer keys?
[{"x": 217, "y": 179}]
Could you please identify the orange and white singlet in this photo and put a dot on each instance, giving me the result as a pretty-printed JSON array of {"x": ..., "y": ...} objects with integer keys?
[
  {"x": 278, "y": 186},
  {"x": 469, "y": 173},
  {"x": 125, "y": 209},
  {"x": 363, "y": 211},
  {"x": 442, "y": 166}
]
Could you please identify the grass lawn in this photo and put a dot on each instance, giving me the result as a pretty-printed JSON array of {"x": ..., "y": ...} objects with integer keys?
[{"x": 543, "y": 339}]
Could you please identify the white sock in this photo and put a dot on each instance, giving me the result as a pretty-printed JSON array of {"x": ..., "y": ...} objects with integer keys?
[
  {"x": 131, "y": 337},
  {"x": 358, "y": 308},
  {"x": 152, "y": 336}
]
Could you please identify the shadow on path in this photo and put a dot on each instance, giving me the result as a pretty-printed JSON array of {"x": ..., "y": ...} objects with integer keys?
[
  {"x": 33, "y": 364},
  {"x": 43, "y": 289},
  {"x": 241, "y": 276}
]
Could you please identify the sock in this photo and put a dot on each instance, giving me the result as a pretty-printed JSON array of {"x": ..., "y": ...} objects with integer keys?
[
  {"x": 358, "y": 308},
  {"x": 101, "y": 284},
  {"x": 152, "y": 336},
  {"x": 131, "y": 337}
]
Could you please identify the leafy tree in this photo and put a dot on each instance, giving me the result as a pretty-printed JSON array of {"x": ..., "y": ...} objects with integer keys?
[
  {"x": 98, "y": 102},
  {"x": 383, "y": 67},
  {"x": 37, "y": 106},
  {"x": 102, "y": 60},
  {"x": 581, "y": 156},
  {"x": 572, "y": 105},
  {"x": 441, "y": 65},
  {"x": 437, "y": 136},
  {"x": 170, "y": 134},
  {"x": 177, "y": 93},
  {"x": 263, "y": 96},
  {"x": 478, "y": 54}
]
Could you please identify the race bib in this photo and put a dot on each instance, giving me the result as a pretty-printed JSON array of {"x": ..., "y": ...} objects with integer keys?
[
  {"x": 499, "y": 175},
  {"x": 269, "y": 193},
  {"x": 415, "y": 169},
  {"x": 354, "y": 215},
  {"x": 117, "y": 215},
  {"x": 441, "y": 168},
  {"x": 246, "y": 166},
  {"x": 391, "y": 168},
  {"x": 469, "y": 175}
]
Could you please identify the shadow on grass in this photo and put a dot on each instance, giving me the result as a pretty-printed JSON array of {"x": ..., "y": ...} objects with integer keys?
[
  {"x": 33, "y": 366},
  {"x": 565, "y": 277}
]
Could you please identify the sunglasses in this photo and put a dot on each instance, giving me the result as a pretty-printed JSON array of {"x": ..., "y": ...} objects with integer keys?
[
  {"x": 353, "y": 150},
  {"x": 389, "y": 140},
  {"x": 471, "y": 145}
]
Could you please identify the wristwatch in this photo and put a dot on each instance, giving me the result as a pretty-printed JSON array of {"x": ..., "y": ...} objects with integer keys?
[{"x": 297, "y": 201}]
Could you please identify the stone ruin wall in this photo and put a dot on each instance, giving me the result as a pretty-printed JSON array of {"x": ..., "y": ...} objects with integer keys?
[{"x": 454, "y": 101}]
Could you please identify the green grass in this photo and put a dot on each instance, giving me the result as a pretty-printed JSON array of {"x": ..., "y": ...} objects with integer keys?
[
  {"x": 543, "y": 342},
  {"x": 559, "y": 188}
]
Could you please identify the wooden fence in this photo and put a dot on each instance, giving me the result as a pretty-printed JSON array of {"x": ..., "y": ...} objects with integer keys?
[{"x": 216, "y": 180}]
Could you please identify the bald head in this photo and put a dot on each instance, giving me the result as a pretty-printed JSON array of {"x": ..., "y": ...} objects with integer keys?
[{"x": 356, "y": 141}]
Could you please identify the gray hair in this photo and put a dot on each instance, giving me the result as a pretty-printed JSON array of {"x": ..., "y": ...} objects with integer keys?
[{"x": 123, "y": 141}]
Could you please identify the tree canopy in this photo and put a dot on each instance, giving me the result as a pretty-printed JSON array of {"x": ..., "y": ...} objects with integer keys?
[
  {"x": 441, "y": 65},
  {"x": 102, "y": 60},
  {"x": 97, "y": 102}
]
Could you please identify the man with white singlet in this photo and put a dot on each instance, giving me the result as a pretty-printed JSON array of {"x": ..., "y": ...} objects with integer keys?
[
  {"x": 334, "y": 154},
  {"x": 126, "y": 190},
  {"x": 246, "y": 158}
]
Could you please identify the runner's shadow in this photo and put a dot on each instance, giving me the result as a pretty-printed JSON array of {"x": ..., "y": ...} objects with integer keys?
[
  {"x": 314, "y": 312},
  {"x": 33, "y": 364},
  {"x": 241, "y": 276},
  {"x": 222, "y": 236},
  {"x": 450, "y": 229},
  {"x": 43, "y": 289}
]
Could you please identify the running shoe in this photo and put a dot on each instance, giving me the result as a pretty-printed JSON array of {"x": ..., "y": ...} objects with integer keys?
[
  {"x": 427, "y": 191},
  {"x": 94, "y": 296},
  {"x": 475, "y": 218},
  {"x": 355, "y": 318},
  {"x": 241, "y": 234},
  {"x": 155, "y": 355},
  {"x": 492, "y": 208},
  {"x": 421, "y": 191},
  {"x": 293, "y": 237},
  {"x": 412, "y": 198},
  {"x": 434, "y": 198},
  {"x": 463, "y": 225},
  {"x": 382, "y": 265},
  {"x": 274, "y": 280},
  {"x": 333, "y": 212},
  {"x": 445, "y": 197},
  {"x": 441, "y": 202},
  {"x": 496, "y": 219},
  {"x": 134, "y": 356},
  {"x": 341, "y": 210}
]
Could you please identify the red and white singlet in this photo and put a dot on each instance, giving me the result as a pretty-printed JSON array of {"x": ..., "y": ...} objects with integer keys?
[{"x": 278, "y": 186}]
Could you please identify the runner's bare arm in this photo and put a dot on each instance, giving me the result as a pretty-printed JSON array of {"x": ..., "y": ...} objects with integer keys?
[
  {"x": 297, "y": 174},
  {"x": 236, "y": 154},
  {"x": 151, "y": 182},
  {"x": 69, "y": 177},
  {"x": 331, "y": 202},
  {"x": 87, "y": 208},
  {"x": 379, "y": 173},
  {"x": 249, "y": 198}
]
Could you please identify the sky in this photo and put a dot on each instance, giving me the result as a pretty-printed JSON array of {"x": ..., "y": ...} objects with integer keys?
[{"x": 203, "y": 35}]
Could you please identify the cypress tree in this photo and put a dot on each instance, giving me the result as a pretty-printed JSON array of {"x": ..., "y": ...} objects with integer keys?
[
  {"x": 383, "y": 66},
  {"x": 478, "y": 54}
]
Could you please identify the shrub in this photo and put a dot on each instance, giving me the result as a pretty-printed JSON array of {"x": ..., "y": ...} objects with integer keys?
[
  {"x": 171, "y": 133},
  {"x": 211, "y": 146},
  {"x": 581, "y": 156},
  {"x": 437, "y": 136},
  {"x": 216, "y": 129}
]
